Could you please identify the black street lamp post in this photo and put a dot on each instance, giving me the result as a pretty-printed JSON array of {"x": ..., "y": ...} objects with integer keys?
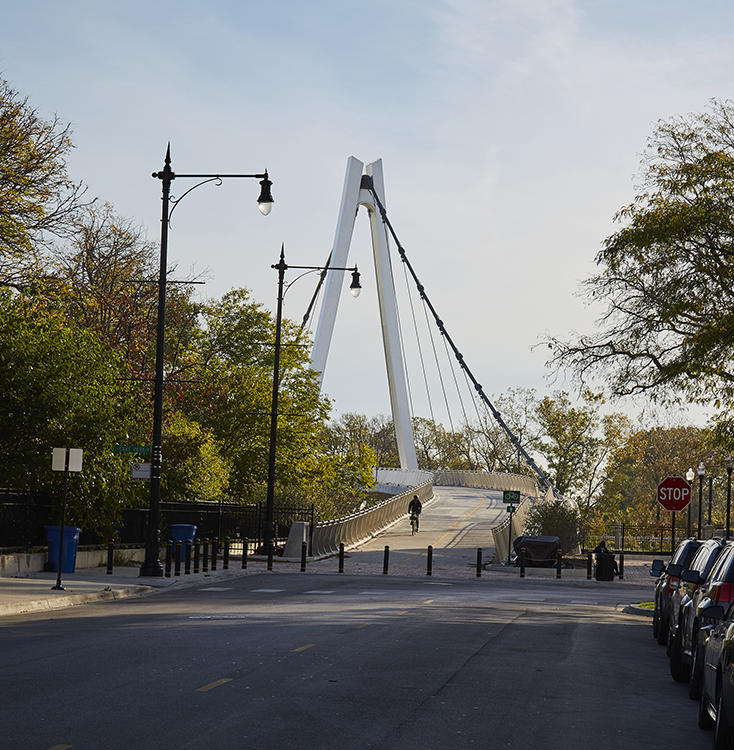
[
  {"x": 152, "y": 565},
  {"x": 729, "y": 463},
  {"x": 281, "y": 266},
  {"x": 690, "y": 476},
  {"x": 701, "y": 475}
]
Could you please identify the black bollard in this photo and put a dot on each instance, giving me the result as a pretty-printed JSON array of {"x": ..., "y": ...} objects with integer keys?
[
  {"x": 341, "y": 557},
  {"x": 244, "y": 552},
  {"x": 225, "y": 557},
  {"x": 110, "y": 557},
  {"x": 621, "y": 566},
  {"x": 187, "y": 558},
  {"x": 589, "y": 566},
  {"x": 479, "y": 562},
  {"x": 386, "y": 560},
  {"x": 559, "y": 563},
  {"x": 168, "y": 558},
  {"x": 215, "y": 552},
  {"x": 522, "y": 562},
  {"x": 304, "y": 552},
  {"x": 205, "y": 561},
  {"x": 197, "y": 555},
  {"x": 271, "y": 544},
  {"x": 177, "y": 561},
  {"x": 429, "y": 561}
]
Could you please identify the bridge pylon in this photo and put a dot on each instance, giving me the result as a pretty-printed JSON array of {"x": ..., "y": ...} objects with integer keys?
[{"x": 356, "y": 193}]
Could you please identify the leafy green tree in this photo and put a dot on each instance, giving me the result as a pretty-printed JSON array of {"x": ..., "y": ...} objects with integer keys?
[
  {"x": 60, "y": 388},
  {"x": 666, "y": 277},
  {"x": 555, "y": 519}
]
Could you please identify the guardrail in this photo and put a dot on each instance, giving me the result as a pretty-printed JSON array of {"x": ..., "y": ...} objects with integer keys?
[
  {"x": 358, "y": 527},
  {"x": 490, "y": 481}
]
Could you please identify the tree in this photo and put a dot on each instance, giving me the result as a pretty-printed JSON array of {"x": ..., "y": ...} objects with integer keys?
[
  {"x": 555, "y": 519},
  {"x": 666, "y": 277},
  {"x": 38, "y": 201},
  {"x": 60, "y": 388}
]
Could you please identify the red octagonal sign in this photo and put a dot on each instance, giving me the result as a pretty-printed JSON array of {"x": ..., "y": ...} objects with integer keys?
[{"x": 674, "y": 493}]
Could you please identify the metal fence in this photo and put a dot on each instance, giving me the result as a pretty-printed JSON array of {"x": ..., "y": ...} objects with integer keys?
[{"x": 623, "y": 537}]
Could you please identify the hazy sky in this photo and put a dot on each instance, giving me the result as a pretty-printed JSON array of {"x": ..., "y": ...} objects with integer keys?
[{"x": 510, "y": 133}]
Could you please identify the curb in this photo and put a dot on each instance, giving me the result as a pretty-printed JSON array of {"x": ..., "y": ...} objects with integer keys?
[
  {"x": 634, "y": 609},
  {"x": 61, "y": 602}
]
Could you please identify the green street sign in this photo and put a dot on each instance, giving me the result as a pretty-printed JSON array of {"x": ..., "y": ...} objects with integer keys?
[
  {"x": 511, "y": 496},
  {"x": 510, "y": 508},
  {"x": 131, "y": 449}
]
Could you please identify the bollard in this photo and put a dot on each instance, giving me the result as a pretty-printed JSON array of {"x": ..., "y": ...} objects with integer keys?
[
  {"x": 589, "y": 567},
  {"x": 215, "y": 551},
  {"x": 168, "y": 559},
  {"x": 271, "y": 543},
  {"x": 177, "y": 559},
  {"x": 110, "y": 557},
  {"x": 187, "y": 558},
  {"x": 225, "y": 557},
  {"x": 429, "y": 558},
  {"x": 479, "y": 562},
  {"x": 522, "y": 562},
  {"x": 304, "y": 550},
  {"x": 386, "y": 560},
  {"x": 197, "y": 555},
  {"x": 205, "y": 561},
  {"x": 559, "y": 563},
  {"x": 621, "y": 566},
  {"x": 244, "y": 552},
  {"x": 341, "y": 557}
]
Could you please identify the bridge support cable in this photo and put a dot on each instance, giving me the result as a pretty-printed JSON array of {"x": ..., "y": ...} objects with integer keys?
[{"x": 457, "y": 354}]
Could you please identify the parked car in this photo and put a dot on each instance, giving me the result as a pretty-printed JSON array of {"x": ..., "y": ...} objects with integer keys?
[
  {"x": 701, "y": 565},
  {"x": 718, "y": 588},
  {"x": 667, "y": 583},
  {"x": 716, "y": 707}
]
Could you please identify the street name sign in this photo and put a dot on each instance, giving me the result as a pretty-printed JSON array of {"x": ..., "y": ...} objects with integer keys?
[
  {"x": 674, "y": 493},
  {"x": 131, "y": 449},
  {"x": 511, "y": 496}
]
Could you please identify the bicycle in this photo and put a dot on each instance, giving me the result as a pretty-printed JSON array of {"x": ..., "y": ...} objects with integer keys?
[{"x": 414, "y": 523}]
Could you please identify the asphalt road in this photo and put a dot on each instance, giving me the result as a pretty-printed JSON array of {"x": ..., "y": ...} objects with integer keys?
[{"x": 274, "y": 661}]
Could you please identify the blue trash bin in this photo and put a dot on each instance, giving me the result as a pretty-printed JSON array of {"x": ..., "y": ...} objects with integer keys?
[
  {"x": 182, "y": 532},
  {"x": 68, "y": 554}
]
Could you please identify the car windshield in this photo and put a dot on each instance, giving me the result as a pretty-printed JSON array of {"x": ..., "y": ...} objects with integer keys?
[{"x": 684, "y": 554}]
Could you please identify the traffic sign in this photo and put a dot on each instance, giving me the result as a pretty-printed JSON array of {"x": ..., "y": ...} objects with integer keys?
[
  {"x": 510, "y": 508},
  {"x": 511, "y": 496},
  {"x": 131, "y": 449},
  {"x": 674, "y": 493}
]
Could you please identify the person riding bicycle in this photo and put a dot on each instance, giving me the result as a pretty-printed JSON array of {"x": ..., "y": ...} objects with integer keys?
[{"x": 415, "y": 508}]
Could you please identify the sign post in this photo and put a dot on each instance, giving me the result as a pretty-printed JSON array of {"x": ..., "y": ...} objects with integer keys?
[
  {"x": 66, "y": 460},
  {"x": 510, "y": 498},
  {"x": 674, "y": 494}
]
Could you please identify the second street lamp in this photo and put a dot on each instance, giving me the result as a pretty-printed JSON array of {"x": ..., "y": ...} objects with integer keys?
[
  {"x": 701, "y": 475},
  {"x": 729, "y": 463},
  {"x": 281, "y": 266},
  {"x": 152, "y": 565}
]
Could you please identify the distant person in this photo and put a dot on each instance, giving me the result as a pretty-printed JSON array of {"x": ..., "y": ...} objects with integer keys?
[
  {"x": 601, "y": 549},
  {"x": 414, "y": 509}
]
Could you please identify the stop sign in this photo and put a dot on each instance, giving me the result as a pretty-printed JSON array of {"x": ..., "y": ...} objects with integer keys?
[{"x": 674, "y": 493}]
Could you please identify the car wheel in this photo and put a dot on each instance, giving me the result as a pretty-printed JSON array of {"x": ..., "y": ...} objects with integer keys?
[
  {"x": 704, "y": 717},
  {"x": 680, "y": 671},
  {"x": 663, "y": 629},
  {"x": 723, "y": 733},
  {"x": 695, "y": 683}
]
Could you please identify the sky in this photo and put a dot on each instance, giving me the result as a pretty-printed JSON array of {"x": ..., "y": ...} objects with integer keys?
[{"x": 510, "y": 133}]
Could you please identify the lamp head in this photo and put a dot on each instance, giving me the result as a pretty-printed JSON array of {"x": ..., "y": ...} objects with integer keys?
[
  {"x": 701, "y": 470},
  {"x": 355, "y": 287},
  {"x": 265, "y": 201},
  {"x": 729, "y": 463},
  {"x": 690, "y": 475}
]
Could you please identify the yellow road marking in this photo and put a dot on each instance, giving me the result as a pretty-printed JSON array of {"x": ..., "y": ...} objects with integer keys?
[
  {"x": 359, "y": 627},
  {"x": 61, "y": 747},
  {"x": 428, "y": 601},
  {"x": 404, "y": 612},
  {"x": 303, "y": 648},
  {"x": 443, "y": 535},
  {"x": 212, "y": 685}
]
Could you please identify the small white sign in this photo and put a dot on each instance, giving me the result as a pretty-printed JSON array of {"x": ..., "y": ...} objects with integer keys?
[
  {"x": 141, "y": 472},
  {"x": 58, "y": 459}
]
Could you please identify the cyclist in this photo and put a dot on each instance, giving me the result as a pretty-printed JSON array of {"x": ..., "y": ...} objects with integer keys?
[{"x": 415, "y": 508}]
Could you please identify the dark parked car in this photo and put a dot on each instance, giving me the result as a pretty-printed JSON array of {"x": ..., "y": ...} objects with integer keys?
[
  {"x": 703, "y": 561},
  {"x": 718, "y": 588},
  {"x": 716, "y": 709},
  {"x": 667, "y": 583}
]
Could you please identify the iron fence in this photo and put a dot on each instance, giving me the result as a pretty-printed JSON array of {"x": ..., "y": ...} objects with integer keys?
[{"x": 624, "y": 537}]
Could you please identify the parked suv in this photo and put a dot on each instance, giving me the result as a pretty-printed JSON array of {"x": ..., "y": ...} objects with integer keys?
[
  {"x": 690, "y": 580},
  {"x": 667, "y": 583}
]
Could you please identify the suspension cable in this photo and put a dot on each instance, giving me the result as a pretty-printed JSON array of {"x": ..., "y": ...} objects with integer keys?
[{"x": 459, "y": 357}]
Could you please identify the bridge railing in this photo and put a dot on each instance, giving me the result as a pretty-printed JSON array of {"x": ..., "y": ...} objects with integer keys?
[
  {"x": 359, "y": 527},
  {"x": 488, "y": 480}
]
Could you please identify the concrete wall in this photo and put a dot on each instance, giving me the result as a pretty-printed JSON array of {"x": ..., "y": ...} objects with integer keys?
[{"x": 24, "y": 563}]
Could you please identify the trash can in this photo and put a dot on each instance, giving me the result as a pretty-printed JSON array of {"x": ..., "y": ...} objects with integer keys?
[
  {"x": 182, "y": 532},
  {"x": 68, "y": 553},
  {"x": 604, "y": 567}
]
